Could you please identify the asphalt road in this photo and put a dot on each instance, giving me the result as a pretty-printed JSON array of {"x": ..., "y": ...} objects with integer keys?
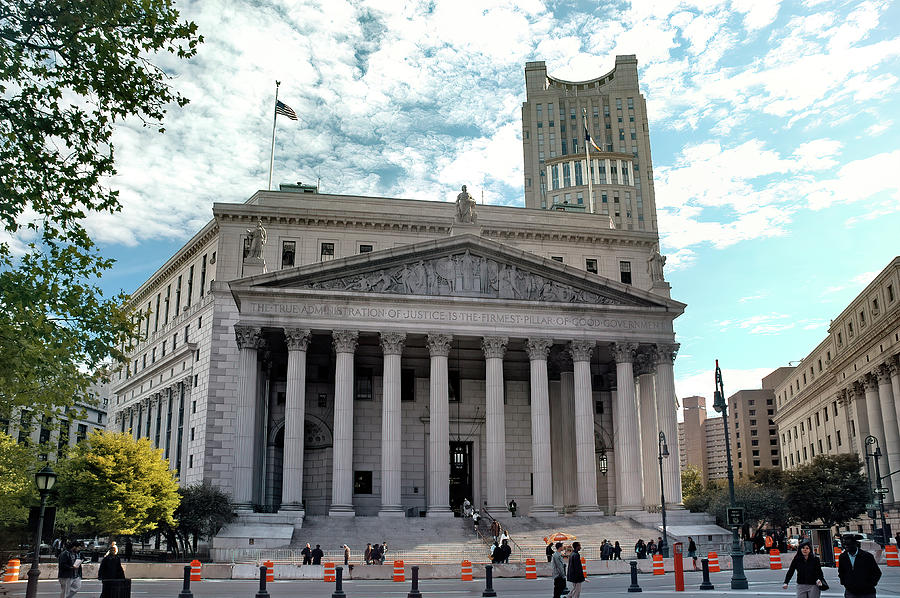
[{"x": 762, "y": 583}]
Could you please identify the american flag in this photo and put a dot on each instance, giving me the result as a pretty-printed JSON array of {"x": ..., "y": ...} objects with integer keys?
[
  {"x": 587, "y": 138},
  {"x": 285, "y": 110}
]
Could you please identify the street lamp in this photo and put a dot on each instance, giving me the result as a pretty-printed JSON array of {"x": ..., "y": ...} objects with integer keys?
[
  {"x": 602, "y": 461},
  {"x": 663, "y": 453},
  {"x": 876, "y": 454},
  {"x": 738, "y": 579},
  {"x": 44, "y": 480}
]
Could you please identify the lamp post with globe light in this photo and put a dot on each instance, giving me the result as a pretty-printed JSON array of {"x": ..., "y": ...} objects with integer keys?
[
  {"x": 44, "y": 480},
  {"x": 738, "y": 578},
  {"x": 663, "y": 454}
]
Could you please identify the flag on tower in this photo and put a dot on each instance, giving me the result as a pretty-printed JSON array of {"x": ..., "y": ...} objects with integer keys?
[
  {"x": 587, "y": 139},
  {"x": 285, "y": 110}
]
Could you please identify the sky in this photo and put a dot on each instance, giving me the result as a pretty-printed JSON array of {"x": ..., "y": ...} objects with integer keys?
[{"x": 772, "y": 124}]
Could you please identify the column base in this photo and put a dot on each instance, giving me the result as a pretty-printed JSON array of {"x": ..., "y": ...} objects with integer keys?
[
  {"x": 444, "y": 512},
  {"x": 623, "y": 510},
  {"x": 242, "y": 508},
  {"x": 543, "y": 511},
  {"x": 392, "y": 511},
  {"x": 674, "y": 507},
  {"x": 588, "y": 511},
  {"x": 341, "y": 511}
]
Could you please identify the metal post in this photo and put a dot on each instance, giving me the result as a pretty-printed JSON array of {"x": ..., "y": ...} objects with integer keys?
[
  {"x": 488, "y": 582},
  {"x": 262, "y": 593},
  {"x": 663, "y": 452},
  {"x": 186, "y": 588},
  {"x": 414, "y": 592},
  {"x": 35, "y": 571},
  {"x": 634, "y": 587},
  {"x": 706, "y": 585},
  {"x": 738, "y": 578},
  {"x": 877, "y": 455},
  {"x": 338, "y": 583}
]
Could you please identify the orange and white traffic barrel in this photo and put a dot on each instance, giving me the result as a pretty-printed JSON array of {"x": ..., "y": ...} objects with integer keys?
[
  {"x": 584, "y": 567},
  {"x": 398, "y": 571},
  {"x": 530, "y": 569},
  {"x": 713, "y": 558},
  {"x": 466, "y": 571},
  {"x": 837, "y": 553},
  {"x": 775, "y": 559},
  {"x": 659, "y": 568},
  {"x": 270, "y": 571},
  {"x": 890, "y": 555},
  {"x": 195, "y": 570},
  {"x": 12, "y": 571},
  {"x": 329, "y": 572}
]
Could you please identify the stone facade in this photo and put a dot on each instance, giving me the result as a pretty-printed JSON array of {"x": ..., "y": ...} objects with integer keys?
[{"x": 701, "y": 440}]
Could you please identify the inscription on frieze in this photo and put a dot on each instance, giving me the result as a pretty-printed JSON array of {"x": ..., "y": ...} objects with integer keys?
[{"x": 468, "y": 275}]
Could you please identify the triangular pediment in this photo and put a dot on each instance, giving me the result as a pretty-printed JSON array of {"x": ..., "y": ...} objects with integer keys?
[{"x": 465, "y": 266}]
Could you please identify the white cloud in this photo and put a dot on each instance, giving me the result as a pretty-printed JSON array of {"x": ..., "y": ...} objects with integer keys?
[
  {"x": 771, "y": 323},
  {"x": 703, "y": 383}
]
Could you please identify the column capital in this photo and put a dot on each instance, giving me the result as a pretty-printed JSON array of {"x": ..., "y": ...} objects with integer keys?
[
  {"x": 857, "y": 390},
  {"x": 666, "y": 352},
  {"x": 117, "y": 417},
  {"x": 494, "y": 347},
  {"x": 870, "y": 381},
  {"x": 439, "y": 344},
  {"x": 645, "y": 361},
  {"x": 624, "y": 352},
  {"x": 345, "y": 341},
  {"x": 885, "y": 371},
  {"x": 581, "y": 350},
  {"x": 844, "y": 397},
  {"x": 248, "y": 337},
  {"x": 297, "y": 339},
  {"x": 187, "y": 381},
  {"x": 153, "y": 399},
  {"x": 538, "y": 348},
  {"x": 392, "y": 342}
]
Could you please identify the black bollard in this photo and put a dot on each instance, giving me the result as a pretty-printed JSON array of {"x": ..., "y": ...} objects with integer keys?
[
  {"x": 262, "y": 593},
  {"x": 706, "y": 585},
  {"x": 186, "y": 590},
  {"x": 338, "y": 583},
  {"x": 634, "y": 587},
  {"x": 414, "y": 592},
  {"x": 488, "y": 581}
]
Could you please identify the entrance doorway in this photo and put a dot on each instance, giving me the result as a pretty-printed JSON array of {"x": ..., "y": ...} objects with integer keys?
[{"x": 460, "y": 474}]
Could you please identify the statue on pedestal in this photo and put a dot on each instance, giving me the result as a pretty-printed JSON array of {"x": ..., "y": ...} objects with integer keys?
[
  {"x": 655, "y": 265},
  {"x": 257, "y": 241},
  {"x": 465, "y": 208}
]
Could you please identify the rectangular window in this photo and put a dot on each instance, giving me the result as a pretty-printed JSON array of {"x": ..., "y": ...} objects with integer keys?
[
  {"x": 326, "y": 252},
  {"x": 407, "y": 385},
  {"x": 554, "y": 176},
  {"x": 178, "y": 296},
  {"x": 590, "y": 265},
  {"x": 564, "y": 151},
  {"x": 838, "y": 432},
  {"x": 180, "y": 428},
  {"x": 82, "y": 433},
  {"x": 364, "y": 385},
  {"x": 156, "y": 433},
  {"x": 190, "y": 286},
  {"x": 168, "y": 296},
  {"x": 557, "y": 258},
  {"x": 890, "y": 293},
  {"x": 366, "y": 248},
  {"x": 567, "y": 178},
  {"x": 190, "y": 461},
  {"x": 362, "y": 482},
  {"x": 156, "y": 313},
  {"x": 454, "y": 383},
  {"x": 625, "y": 272},
  {"x": 288, "y": 253},
  {"x": 579, "y": 180},
  {"x": 203, "y": 275}
]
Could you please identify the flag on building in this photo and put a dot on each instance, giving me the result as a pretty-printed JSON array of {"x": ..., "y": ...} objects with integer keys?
[
  {"x": 285, "y": 110},
  {"x": 587, "y": 139}
]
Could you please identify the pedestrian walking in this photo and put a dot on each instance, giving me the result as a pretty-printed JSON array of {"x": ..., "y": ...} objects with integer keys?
[
  {"x": 317, "y": 555},
  {"x": 111, "y": 570},
  {"x": 368, "y": 554},
  {"x": 129, "y": 548},
  {"x": 346, "y": 554},
  {"x": 69, "y": 570},
  {"x": 617, "y": 552},
  {"x": 640, "y": 549},
  {"x": 506, "y": 550},
  {"x": 513, "y": 507},
  {"x": 383, "y": 551},
  {"x": 692, "y": 551},
  {"x": 307, "y": 555},
  {"x": 550, "y": 552},
  {"x": 809, "y": 572},
  {"x": 495, "y": 530},
  {"x": 651, "y": 547},
  {"x": 857, "y": 569},
  {"x": 558, "y": 569},
  {"x": 574, "y": 573}
]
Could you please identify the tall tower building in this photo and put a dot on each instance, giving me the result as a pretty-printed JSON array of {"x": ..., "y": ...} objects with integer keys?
[{"x": 554, "y": 117}]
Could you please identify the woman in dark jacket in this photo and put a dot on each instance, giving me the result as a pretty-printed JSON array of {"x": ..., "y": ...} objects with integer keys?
[
  {"x": 111, "y": 569},
  {"x": 809, "y": 572}
]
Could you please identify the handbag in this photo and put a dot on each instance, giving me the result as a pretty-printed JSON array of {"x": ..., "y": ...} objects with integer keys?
[{"x": 824, "y": 587}]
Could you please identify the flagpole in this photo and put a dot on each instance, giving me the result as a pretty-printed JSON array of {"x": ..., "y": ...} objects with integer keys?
[
  {"x": 587, "y": 155},
  {"x": 274, "y": 121}
]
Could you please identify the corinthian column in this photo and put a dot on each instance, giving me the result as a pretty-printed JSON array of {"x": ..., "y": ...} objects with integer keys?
[
  {"x": 873, "y": 412},
  {"x": 494, "y": 348},
  {"x": 249, "y": 341},
  {"x": 297, "y": 340},
  {"x": 392, "y": 348},
  {"x": 439, "y": 428},
  {"x": 585, "y": 453},
  {"x": 891, "y": 432},
  {"x": 628, "y": 434},
  {"x": 668, "y": 423},
  {"x": 645, "y": 368},
  {"x": 345, "y": 342},
  {"x": 542, "y": 476}
]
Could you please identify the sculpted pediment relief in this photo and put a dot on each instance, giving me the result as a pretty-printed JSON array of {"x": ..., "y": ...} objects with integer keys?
[{"x": 467, "y": 274}]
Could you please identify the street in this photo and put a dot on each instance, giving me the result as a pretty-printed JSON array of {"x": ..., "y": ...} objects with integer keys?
[{"x": 762, "y": 583}]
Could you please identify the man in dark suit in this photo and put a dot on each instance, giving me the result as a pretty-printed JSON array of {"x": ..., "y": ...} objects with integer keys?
[
  {"x": 857, "y": 569},
  {"x": 574, "y": 572}
]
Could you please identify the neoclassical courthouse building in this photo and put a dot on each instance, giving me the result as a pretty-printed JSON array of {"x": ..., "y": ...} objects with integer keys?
[{"x": 329, "y": 354}]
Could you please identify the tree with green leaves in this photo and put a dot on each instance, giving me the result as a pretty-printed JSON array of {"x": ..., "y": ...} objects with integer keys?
[
  {"x": 204, "y": 510},
  {"x": 764, "y": 505},
  {"x": 691, "y": 482},
  {"x": 69, "y": 72},
  {"x": 18, "y": 462},
  {"x": 831, "y": 488},
  {"x": 121, "y": 486}
]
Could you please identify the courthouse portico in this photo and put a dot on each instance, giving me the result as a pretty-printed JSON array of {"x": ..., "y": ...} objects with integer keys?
[{"x": 469, "y": 317}]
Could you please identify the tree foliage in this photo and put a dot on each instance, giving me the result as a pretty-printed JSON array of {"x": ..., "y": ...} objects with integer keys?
[
  {"x": 764, "y": 505},
  {"x": 120, "y": 485},
  {"x": 831, "y": 488},
  {"x": 69, "y": 72},
  {"x": 204, "y": 510},
  {"x": 691, "y": 482}
]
